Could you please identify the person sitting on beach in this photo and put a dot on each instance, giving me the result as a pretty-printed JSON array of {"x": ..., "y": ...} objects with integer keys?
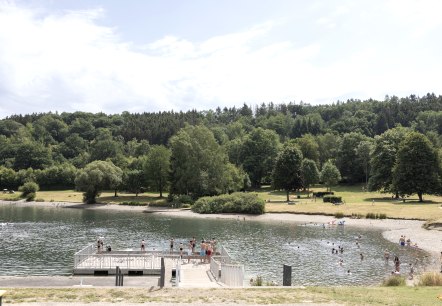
[{"x": 408, "y": 242}]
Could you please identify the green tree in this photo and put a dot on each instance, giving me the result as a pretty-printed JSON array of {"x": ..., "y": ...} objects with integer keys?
[
  {"x": 198, "y": 162},
  {"x": 259, "y": 152},
  {"x": 382, "y": 160},
  {"x": 8, "y": 178},
  {"x": 417, "y": 168},
  {"x": 29, "y": 190},
  {"x": 363, "y": 151},
  {"x": 95, "y": 177},
  {"x": 287, "y": 170},
  {"x": 309, "y": 173},
  {"x": 134, "y": 180},
  {"x": 347, "y": 161},
  {"x": 309, "y": 147},
  {"x": 157, "y": 167},
  {"x": 330, "y": 175}
]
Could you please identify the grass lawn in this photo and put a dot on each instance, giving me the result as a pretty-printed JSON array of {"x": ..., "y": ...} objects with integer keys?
[
  {"x": 356, "y": 202},
  {"x": 105, "y": 197},
  {"x": 254, "y": 295}
]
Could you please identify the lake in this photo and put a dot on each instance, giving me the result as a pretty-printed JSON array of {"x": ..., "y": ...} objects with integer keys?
[{"x": 42, "y": 241}]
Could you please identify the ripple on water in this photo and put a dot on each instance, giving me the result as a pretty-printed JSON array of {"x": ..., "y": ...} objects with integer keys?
[{"x": 42, "y": 241}]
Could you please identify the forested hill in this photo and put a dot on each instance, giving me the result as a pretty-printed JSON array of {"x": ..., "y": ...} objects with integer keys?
[
  {"x": 369, "y": 117},
  {"x": 72, "y": 140}
]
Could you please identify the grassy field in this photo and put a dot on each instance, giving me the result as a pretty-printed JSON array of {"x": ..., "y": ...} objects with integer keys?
[
  {"x": 356, "y": 202},
  {"x": 105, "y": 197},
  {"x": 280, "y": 295}
]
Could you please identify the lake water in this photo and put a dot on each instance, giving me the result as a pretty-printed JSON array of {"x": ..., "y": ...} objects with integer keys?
[{"x": 42, "y": 241}]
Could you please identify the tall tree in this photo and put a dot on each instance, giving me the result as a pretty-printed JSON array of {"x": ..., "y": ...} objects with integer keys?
[
  {"x": 157, "y": 167},
  {"x": 330, "y": 174},
  {"x": 363, "y": 151},
  {"x": 97, "y": 176},
  {"x": 198, "y": 162},
  {"x": 287, "y": 170},
  {"x": 309, "y": 173},
  {"x": 259, "y": 151},
  {"x": 417, "y": 168},
  {"x": 382, "y": 159},
  {"x": 348, "y": 163}
]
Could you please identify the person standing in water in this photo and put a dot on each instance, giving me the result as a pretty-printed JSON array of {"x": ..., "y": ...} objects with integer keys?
[{"x": 143, "y": 246}]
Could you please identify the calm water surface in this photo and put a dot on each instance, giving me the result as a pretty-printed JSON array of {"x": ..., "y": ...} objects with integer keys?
[{"x": 42, "y": 241}]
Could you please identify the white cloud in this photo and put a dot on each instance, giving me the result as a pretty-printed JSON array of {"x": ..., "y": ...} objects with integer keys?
[{"x": 68, "y": 61}]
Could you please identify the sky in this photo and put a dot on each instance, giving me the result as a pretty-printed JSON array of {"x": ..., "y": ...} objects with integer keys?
[{"x": 161, "y": 55}]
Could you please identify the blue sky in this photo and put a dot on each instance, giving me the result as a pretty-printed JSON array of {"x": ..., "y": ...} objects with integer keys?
[{"x": 135, "y": 55}]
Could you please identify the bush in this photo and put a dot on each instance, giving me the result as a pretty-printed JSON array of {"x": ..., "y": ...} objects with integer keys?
[
  {"x": 339, "y": 215},
  {"x": 185, "y": 206},
  {"x": 430, "y": 279},
  {"x": 375, "y": 216},
  {"x": 246, "y": 203},
  {"x": 322, "y": 193},
  {"x": 133, "y": 203},
  {"x": 332, "y": 199},
  {"x": 28, "y": 190},
  {"x": 30, "y": 196},
  {"x": 39, "y": 200},
  {"x": 394, "y": 281}
]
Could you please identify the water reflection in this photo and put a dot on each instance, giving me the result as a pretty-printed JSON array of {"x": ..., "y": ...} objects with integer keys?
[{"x": 42, "y": 241}]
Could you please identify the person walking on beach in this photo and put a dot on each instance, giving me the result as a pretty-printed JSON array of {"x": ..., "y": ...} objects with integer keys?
[{"x": 143, "y": 246}]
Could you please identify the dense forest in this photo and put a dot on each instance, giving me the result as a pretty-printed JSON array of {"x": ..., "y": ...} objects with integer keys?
[{"x": 219, "y": 151}]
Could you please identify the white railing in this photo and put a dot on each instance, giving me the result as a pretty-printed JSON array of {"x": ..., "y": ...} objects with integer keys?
[
  {"x": 81, "y": 255},
  {"x": 111, "y": 261},
  {"x": 215, "y": 266},
  {"x": 232, "y": 274},
  {"x": 178, "y": 273}
]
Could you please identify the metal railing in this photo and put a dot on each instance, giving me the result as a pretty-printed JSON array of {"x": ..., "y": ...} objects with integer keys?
[
  {"x": 125, "y": 260},
  {"x": 232, "y": 273},
  {"x": 81, "y": 255}
]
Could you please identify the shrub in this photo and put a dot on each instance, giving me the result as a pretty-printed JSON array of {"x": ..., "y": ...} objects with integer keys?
[
  {"x": 133, "y": 203},
  {"x": 246, "y": 203},
  {"x": 332, "y": 199},
  {"x": 185, "y": 206},
  {"x": 39, "y": 200},
  {"x": 322, "y": 193},
  {"x": 339, "y": 215},
  {"x": 257, "y": 282},
  {"x": 430, "y": 279},
  {"x": 370, "y": 216},
  {"x": 30, "y": 196},
  {"x": 394, "y": 280},
  {"x": 27, "y": 189},
  {"x": 375, "y": 216}
]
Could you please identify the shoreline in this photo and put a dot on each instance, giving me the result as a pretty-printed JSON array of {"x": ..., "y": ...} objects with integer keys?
[{"x": 429, "y": 240}]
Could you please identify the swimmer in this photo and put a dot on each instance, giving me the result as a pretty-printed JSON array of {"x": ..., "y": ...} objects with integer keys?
[{"x": 362, "y": 256}]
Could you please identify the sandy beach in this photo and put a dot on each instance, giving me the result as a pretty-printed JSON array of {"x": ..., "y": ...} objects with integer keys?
[{"x": 428, "y": 240}]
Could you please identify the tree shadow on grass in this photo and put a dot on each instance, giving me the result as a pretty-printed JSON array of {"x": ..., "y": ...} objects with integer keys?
[{"x": 400, "y": 201}]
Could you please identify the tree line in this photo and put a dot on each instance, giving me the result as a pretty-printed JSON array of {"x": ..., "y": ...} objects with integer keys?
[{"x": 221, "y": 151}]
